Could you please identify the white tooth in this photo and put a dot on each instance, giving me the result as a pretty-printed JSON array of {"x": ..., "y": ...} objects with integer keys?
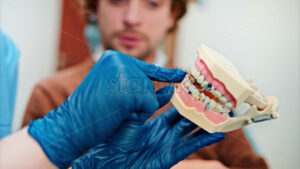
[
  {"x": 219, "y": 108},
  {"x": 194, "y": 71},
  {"x": 212, "y": 103},
  {"x": 206, "y": 86},
  {"x": 189, "y": 83},
  {"x": 185, "y": 81},
  {"x": 226, "y": 111},
  {"x": 191, "y": 89},
  {"x": 186, "y": 84},
  {"x": 223, "y": 99},
  {"x": 225, "y": 114},
  {"x": 204, "y": 83},
  {"x": 202, "y": 96},
  {"x": 195, "y": 92},
  {"x": 216, "y": 93},
  {"x": 228, "y": 105},
  {"x": 185, "y": 78},
  {"x": 200, "y": 79},
  {"x": 206, "y": 100},
  {"x": 195, "y": 89}
]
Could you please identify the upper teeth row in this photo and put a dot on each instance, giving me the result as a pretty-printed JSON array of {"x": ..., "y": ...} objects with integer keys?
[{"x": 201, "y": 80}]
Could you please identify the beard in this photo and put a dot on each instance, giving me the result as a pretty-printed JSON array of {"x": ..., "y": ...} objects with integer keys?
[{"x": 141, "y": 51}]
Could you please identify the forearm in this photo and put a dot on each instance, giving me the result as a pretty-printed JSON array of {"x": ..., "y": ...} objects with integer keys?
[
  {"x": 21, "y": 151},
  {"x": 199, "y": 163}
]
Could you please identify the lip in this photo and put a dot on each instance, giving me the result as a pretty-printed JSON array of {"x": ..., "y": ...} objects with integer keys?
[{"x": 129, "y": 40}]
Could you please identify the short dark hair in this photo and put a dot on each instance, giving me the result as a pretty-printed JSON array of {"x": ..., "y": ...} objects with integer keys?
[{"x": 178, "y": 7}]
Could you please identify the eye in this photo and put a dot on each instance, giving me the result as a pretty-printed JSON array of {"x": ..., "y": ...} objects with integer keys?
[
  {"x": 152, "y": 3},
  {"x": 117, "y": 2}
]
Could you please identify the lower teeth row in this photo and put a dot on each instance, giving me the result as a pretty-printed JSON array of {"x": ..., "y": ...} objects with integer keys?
[{"x": 209, "y": 103}]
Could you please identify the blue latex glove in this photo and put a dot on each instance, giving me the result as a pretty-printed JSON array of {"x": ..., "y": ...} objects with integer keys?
[
  {"x": 157, "y": 144},
  {"x": 9, "y": 59},
  {"x": 117, "y": 88}
]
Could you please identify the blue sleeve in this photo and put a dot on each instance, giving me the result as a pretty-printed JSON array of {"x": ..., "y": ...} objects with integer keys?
[{"x": 9, "y": 56}]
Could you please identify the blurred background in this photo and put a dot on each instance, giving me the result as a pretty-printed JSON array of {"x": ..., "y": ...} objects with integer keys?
[{"x": 261, "y": 37}]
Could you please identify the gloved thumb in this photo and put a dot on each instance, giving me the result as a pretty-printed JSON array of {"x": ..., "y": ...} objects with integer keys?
[
  {"x": 190, "y": 146},
  {"x": 161, "y": 98},
  {"x": 164, "y": 95}
]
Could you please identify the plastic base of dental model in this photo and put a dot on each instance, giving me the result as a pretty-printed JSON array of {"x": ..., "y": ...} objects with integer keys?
[{"x": 229, "y": 90}]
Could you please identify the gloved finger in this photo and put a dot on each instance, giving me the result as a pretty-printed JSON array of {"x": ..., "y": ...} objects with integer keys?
[
  {"x": 160, "y": 74},
  {"x": 171, "y": 116},
  {"x": 85, "y": 161},
  {"x": 148, "y": 105},
  {"x": 195, "y": 134},
  {"x": 183, "y": 127},
  {"x": 129, "y": 136},
  {"x": 164, "y": 95},
  {"x": 193, "y": 145}
]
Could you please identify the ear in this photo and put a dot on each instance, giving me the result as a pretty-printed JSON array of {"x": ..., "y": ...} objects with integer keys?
[{"x": 172, "y": 21}]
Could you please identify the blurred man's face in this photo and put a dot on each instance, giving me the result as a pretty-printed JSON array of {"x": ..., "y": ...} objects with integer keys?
[{"x": 134, "y": 27}]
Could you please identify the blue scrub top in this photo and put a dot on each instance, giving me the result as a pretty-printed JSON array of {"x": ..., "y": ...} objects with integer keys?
[{"x": 9, "y": 56}]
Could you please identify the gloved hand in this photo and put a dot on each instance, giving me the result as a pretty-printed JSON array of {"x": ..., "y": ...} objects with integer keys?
[
  {"x": 157, "y": 144},
  {"x": 117, "y": 88}
]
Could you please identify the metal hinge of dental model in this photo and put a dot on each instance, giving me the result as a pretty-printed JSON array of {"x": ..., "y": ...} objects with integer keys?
[{"x": 261, "y": 109}]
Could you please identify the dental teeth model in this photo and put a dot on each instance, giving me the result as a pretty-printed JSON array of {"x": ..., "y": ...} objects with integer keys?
[{"x": 213, "y": 90}]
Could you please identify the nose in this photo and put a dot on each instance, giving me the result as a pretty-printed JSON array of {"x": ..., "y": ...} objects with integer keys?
[{"x": 132, "y": 15}]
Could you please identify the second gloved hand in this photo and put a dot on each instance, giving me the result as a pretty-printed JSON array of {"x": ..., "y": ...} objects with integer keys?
[
  {"x": 158, "y": 144},
  {"x": 117, "y": 88}
]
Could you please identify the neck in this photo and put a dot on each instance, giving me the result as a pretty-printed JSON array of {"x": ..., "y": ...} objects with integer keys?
[{"x": 150, "y": 58}]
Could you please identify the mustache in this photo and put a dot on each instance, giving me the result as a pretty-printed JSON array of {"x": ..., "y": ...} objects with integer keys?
[{"x": 131, "y": 32}]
